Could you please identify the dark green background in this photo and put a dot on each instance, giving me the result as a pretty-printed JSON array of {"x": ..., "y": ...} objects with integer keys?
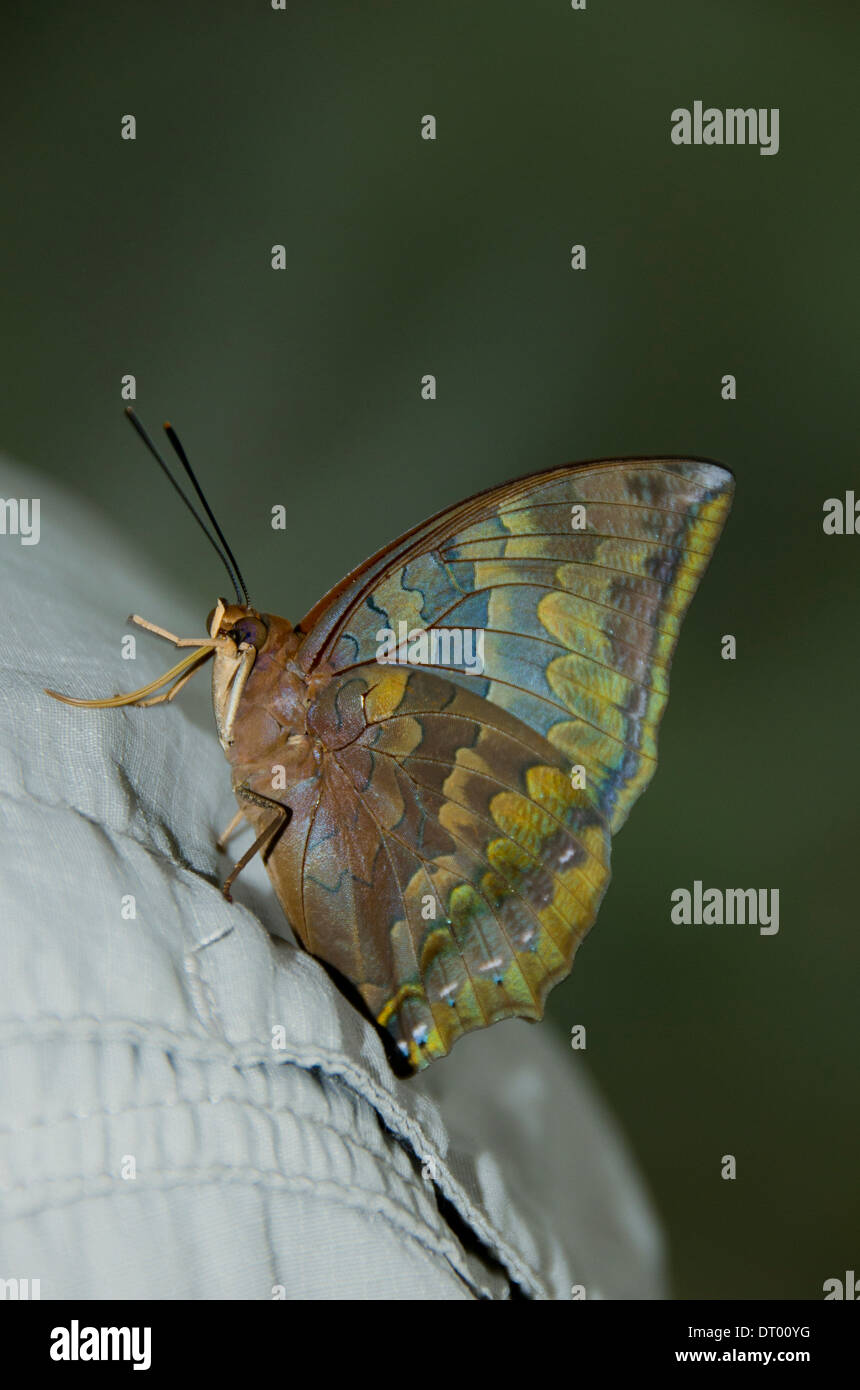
[{"x": 406, "y": 257}]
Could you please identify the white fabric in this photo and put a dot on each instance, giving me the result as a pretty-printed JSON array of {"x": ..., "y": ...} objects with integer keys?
[{"x": 153, "y": 1142}]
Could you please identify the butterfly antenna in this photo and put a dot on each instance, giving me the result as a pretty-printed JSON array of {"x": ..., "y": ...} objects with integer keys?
[
  {"x": 183, "y": 459},
  {"x": 232, "y": 570}
]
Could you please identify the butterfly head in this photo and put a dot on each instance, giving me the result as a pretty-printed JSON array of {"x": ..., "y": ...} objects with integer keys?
[
  {"x": 247, "y": 643},
  {"x": 239, "y": 633},
  {"x": 239, "y": 623}
]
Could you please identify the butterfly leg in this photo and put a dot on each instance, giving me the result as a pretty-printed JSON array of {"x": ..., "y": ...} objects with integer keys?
[
  {"x": 169, "y": 636},
  {"x": 267, "y": 836},
  {"x": 177, "y": 685},
  {"x": 221, "y": 842},
  {"x": 136, "y": 697}
]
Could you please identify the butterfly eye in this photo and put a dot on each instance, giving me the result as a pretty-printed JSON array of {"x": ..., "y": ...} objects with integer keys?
[{"x": 250, "y": 630}]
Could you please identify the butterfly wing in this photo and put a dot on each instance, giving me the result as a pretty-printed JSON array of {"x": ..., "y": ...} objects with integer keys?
[
  {"x": 444, "y": 862},
  {"x": 441, "y": 862},
  {"x": 579, "y": 624}
]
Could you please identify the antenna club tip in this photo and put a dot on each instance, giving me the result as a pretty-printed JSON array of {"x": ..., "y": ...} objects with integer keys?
[{"x": 167, "y": 425}]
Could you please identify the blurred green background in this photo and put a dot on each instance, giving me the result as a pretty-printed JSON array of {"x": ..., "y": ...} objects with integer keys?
[{"x": 405, "y": 257}]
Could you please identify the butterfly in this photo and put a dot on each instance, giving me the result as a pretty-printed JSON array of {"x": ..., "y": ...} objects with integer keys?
[{"x": 435, "y": 759}]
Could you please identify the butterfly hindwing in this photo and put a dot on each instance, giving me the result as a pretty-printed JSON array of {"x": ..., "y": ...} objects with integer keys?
[{"x": 442, "y": 862}]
